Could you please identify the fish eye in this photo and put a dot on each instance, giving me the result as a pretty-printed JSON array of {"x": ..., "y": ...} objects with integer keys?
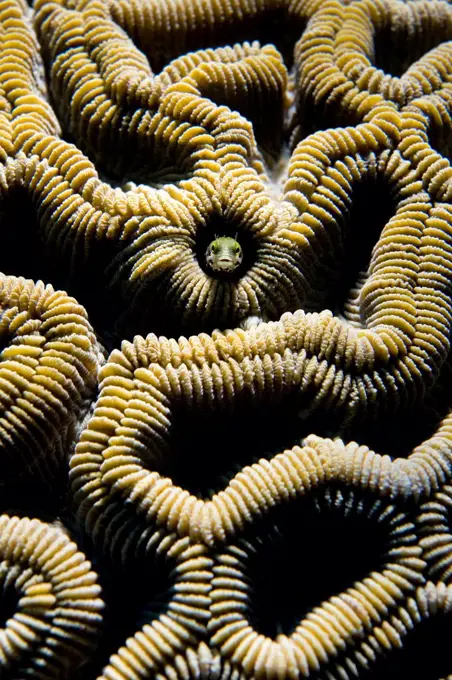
[
  {"x": 214, "y": 248},
  {"x": 237, "y": 249}
]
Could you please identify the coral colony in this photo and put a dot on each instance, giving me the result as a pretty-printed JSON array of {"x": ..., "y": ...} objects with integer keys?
[{"x": 225, "y": 319}]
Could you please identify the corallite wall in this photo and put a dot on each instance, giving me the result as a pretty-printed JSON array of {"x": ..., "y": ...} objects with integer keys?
[{"x": 225, "y": 323}]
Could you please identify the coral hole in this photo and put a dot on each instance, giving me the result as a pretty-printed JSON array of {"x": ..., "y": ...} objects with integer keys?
[
  {"x": 309, "y": 552},
  {"x": 219, "y": 226}
]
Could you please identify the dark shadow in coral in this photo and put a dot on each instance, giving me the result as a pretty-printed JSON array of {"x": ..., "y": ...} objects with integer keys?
[
  {"x": 207, "y": 448},
  {"x": 440, "y": 139},
  {"x": 274, "y": 25},
  {"x": 371, "y": 207},
  {"x": 425, "y": 654},
  {"x": 268, "y": 118},
  {"x": 397, "y": 432},
  {"x": 134, "y": 595},
  {"x": 122, "y": 156},
  {"x": 308, "y": 551},
  {"x": 400, "y": 44},
  {"x": 34, "y": 498},
  {"x": 5, "y": 336},
  {"x": 88, "y": 283},
  {"x": 22, "y": 251},
  {"x": 9, "y": 598}
]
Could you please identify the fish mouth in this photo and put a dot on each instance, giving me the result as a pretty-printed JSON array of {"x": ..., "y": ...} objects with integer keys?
[{"x": 225, "y": 263}]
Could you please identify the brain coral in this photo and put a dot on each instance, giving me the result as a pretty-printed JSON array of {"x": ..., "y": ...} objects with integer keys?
[{"x": 255, "y": 456}]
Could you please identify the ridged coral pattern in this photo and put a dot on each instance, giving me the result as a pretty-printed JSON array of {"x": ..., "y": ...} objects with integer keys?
[
  {"x": 48, "y": 369},
  {"x": 256, "y": 460},
  {"x": 51, "y": 608}
]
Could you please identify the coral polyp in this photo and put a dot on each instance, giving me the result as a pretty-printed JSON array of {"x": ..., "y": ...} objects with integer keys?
[{"x": 225, "y": 323}]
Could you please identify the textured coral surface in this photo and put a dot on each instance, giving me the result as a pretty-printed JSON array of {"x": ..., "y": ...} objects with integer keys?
[{"x": 225, "y": 323}]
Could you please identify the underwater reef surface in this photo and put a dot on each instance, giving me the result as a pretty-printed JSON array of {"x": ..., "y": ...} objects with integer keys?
[{"x": 225, "y": 325}]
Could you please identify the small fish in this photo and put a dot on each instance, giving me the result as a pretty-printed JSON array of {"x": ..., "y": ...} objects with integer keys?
[{"x": 224, "y": 254}]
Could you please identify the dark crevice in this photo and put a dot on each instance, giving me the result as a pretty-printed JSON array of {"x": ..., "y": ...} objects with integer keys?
[
  {"x": 400, "y": 44},
  {"x": 440, "y": 139},
  {"x": 28, "y": 496},
  {"x": 88, "y": 283},
  {"x": 133, "y": 595},
  {"x": 425, "y": 654},
  {"x": 120, "y": 157},
  {"x": 5, "y": 335},
  {"x": 308, "y": 551},
  {"x": 272, "y": 26},
  {"x": 371, "y": 207},
  {"x": 207, "y": 448},
  {"x": 396, "y": 433},
  {"x": 9, "y": 599},
  {"x": 22, "y": 250}
]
